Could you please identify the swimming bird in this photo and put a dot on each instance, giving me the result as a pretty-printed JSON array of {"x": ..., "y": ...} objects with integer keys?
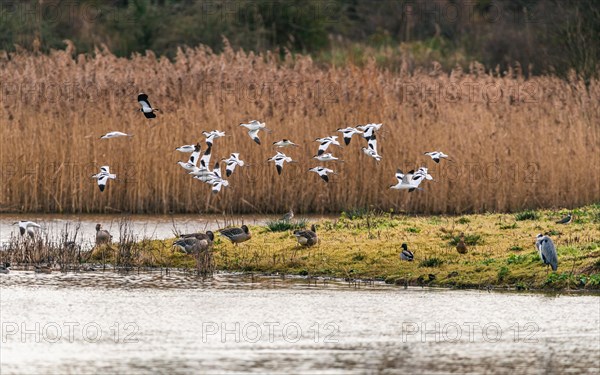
[
  {"x": 348, "y": 133},
  {"x": 146, "y": 109},
  {"x": 437, "y": 155},
  {"x": 406, "y": 254},
  {"x": 232, "y": 162},
  {"x": 196, "y": 242},
  {"x": 565, "y": 220},
  {"x": 279, "y": 159},
  {"x": 103, "y": 177},
  {"x": 27, "y": 226},
  {"x": 369, "y": 129},
  {"x": 5, "y": 268},
  {"x": 461, "y": 247},
  {"x": 186, "y": 148},
  {"x": 254, "y": 127},
  {"x": 102, "y": 235},
  {"x": 547, "y": 251},
  {"x": 284, "y": 143},
  {"x": 405, "y": 181},
  {"x": 192, "y": 163},
  {"x": 307, "y": 237},
  {"x": 326, "y": 157},
  {"x": 212, "y": 135},
  {"x": 322, "y": 172},
  {"x": 115, "y": 135},
  {"x": 288, "y": 216},
  {"x": 236, "y": 235},
  {"x": 372, "y": 149},
  {"x": 325, "y": 142}
]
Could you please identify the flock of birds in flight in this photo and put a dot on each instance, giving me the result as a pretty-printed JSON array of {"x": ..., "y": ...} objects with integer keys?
[
  {"x": 197, "y": 165},
  {"x": 198, "y": 242}
]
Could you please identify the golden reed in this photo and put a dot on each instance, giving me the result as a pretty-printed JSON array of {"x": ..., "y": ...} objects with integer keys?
[{"x": 516, "y": 143}]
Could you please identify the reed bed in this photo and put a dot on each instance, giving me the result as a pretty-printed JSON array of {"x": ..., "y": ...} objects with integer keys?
[{"x": 515, "y": 143}]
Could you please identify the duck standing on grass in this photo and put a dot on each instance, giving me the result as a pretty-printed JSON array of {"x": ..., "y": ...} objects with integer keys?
[
  {"x": 460, "y": 246},
  {"x": 236, "y": 235},
  {"x": 406, "y": 254},
  {"x": 195, "y": 242},
  {"x": 307, "y": 237}
]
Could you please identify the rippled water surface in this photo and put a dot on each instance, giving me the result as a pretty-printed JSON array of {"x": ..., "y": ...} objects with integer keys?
[{"x": 99, "y": 322}]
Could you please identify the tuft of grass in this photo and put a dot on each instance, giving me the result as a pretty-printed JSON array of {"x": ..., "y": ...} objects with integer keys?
[
  {"x": 463, "y": 220},
  {"x": 470, "y": 239},
  {"x": 431, "y": 262},
  {"x": 526, "y": 215},
  {"x": 508, "y": 226},
  {"x": 286, "y": 225},
  {"x": 503, "y": 273},
  {"x": 412, "y": 230}
]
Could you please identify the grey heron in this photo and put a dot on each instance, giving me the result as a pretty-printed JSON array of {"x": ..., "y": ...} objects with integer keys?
[{"x": 547, "y": 251}]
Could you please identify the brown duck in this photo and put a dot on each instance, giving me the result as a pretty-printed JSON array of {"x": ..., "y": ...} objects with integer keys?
[
  {"x": 307, "y": 237},
  {"x": 236, "y": 235},
  {"x": 460, "y": 246}
]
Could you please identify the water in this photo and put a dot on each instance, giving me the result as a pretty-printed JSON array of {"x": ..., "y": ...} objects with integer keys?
[
  {"x": 178, "y": 324},
  {"x": 145, "y": 226}
]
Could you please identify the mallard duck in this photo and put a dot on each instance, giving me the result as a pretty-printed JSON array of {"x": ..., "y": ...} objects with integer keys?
[
  {"x": 406, "y": 254},
  {"x": 307, "y": 237},
  {"x": 236, "y": 235},
  {"x": 460, "y": 246}
]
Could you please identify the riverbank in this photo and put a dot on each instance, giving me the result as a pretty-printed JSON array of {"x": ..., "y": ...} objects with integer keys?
[{"x": 366, "y": 245}]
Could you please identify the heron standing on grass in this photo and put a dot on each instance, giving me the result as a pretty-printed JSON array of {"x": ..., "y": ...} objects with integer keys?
[{"x": 547, "y": 251}]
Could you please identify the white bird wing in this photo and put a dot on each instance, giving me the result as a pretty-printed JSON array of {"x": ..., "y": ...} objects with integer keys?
[
  {"x": 373, "y": 143},
  {"x": 102, "y": 181},
  {"x": 145, "y": 106},
  {"x": 104, "y": 169},
  {"x": 254, "y": 135},
  {"x": 399, "y": 176}
]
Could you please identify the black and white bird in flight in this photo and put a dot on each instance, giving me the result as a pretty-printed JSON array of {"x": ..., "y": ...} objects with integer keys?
[
  {"x": 326, "y": 157},
  {"x": 369, "y": 129},
  {"x": 424, "y": 173},
  {"x": 279, "y": 159},
  {"x": 325, "y": 142},
  {"x": 103, "y": 177},
  {"x": 284, "y": 143},
  {"x": 115, "y": 134},
  {"x": 212, "y": 135},
  {"x": 348, "y": 133},
  {"x": 254, "y": 127},
  {"x": 27, "y": 227},
  {"x": 232, "y": 162},
  {"x": 437, "y": 155},
  {"x": 186, "y": 148},
  {"x": 371, "y": 150},
  {"x": 322, "y": 172},
  {"x": 192, "y": 162},
  {"x": 217, "y": 180},
  {"x": 146, "y": 109},
  {"x": 406, "y": 182}
]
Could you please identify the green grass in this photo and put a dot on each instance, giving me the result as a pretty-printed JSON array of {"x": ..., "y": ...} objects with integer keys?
[
  {"x": 286, "y": 225},
  {"x": 370, "y": 248},
  {"x": 526, "y": 215}
]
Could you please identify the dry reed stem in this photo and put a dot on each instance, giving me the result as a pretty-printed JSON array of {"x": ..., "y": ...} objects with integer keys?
[{"x": 516, "y": 143}]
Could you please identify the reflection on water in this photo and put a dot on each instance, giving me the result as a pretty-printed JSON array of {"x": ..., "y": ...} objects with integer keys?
[{"x": 152, "y": 322}]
